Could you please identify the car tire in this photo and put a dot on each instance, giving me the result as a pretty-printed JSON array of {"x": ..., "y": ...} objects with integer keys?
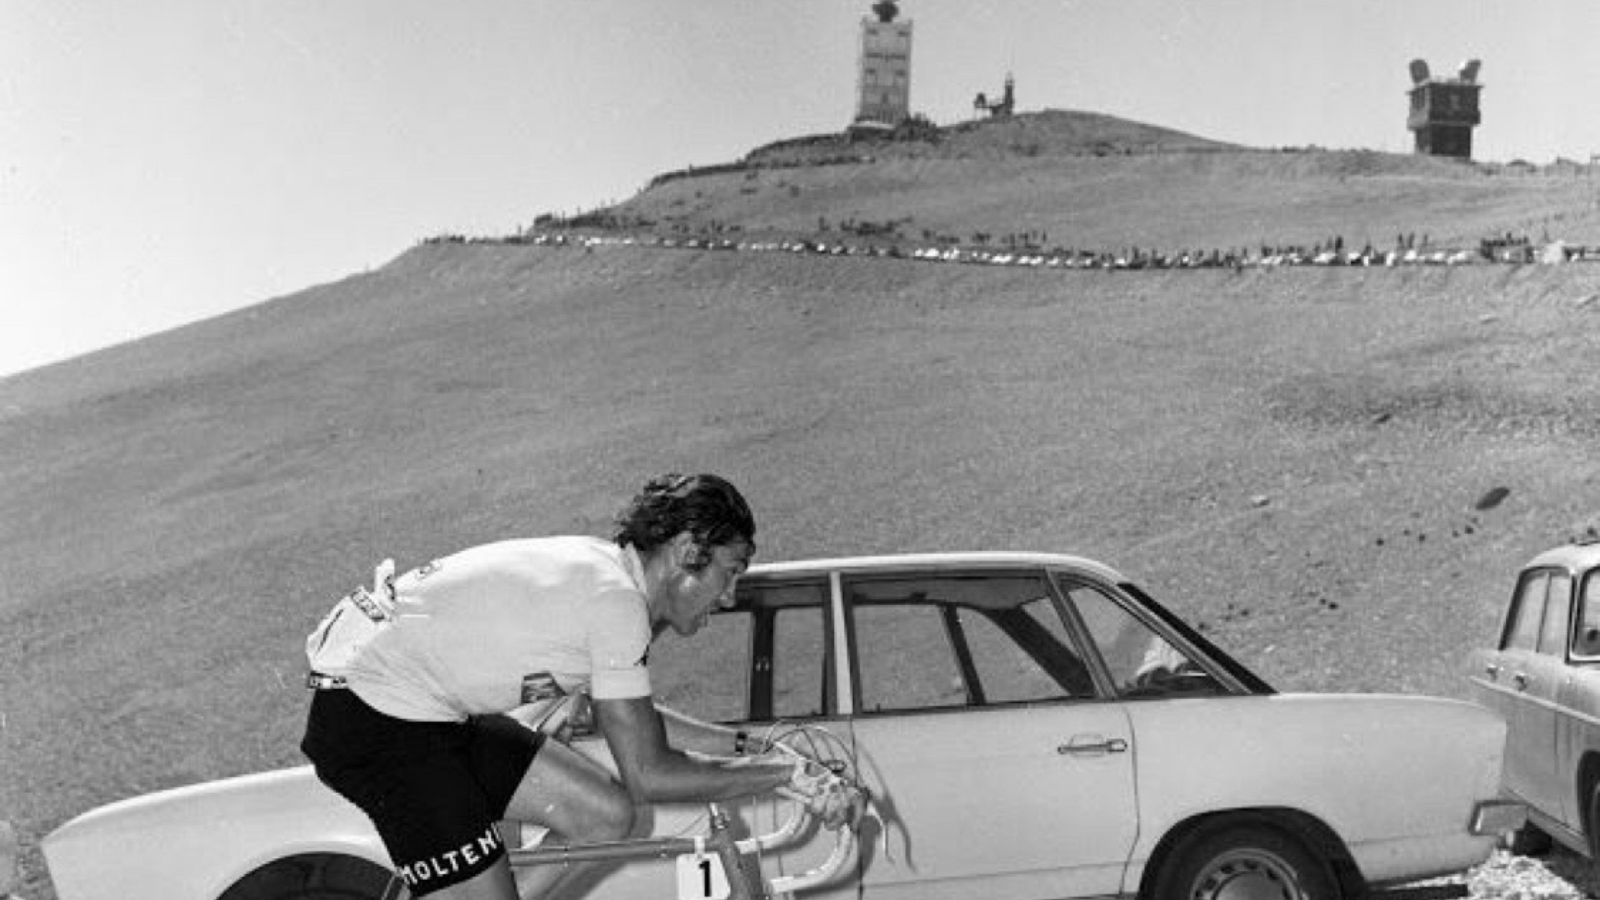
[
  {"x": 316, "y": 876},
  {"x": 1245, "y": 862}
]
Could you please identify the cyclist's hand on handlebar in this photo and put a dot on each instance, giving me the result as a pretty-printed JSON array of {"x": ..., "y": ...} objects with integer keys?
[
  {"x": 845, "y": 808},
  {"x": 832, "y": 799}
]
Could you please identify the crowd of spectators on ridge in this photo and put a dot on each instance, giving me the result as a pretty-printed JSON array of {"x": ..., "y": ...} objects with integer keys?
[{"x": 1032, "y": 249}]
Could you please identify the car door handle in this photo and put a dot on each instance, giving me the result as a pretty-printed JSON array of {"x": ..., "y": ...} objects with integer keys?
[
  {"x": 1492, "y": 670},
  {"x": 1520, "y": 680},
  {"x": 1092, "y": 745}
]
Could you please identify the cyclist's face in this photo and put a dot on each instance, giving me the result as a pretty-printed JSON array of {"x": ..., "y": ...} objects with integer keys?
[{"x": 691, "y": 594}]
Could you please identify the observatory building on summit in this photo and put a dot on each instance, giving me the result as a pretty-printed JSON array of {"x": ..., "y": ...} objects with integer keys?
[
  {"x": 883, "y": 73},
  {"x": 1444, "y": 111}
]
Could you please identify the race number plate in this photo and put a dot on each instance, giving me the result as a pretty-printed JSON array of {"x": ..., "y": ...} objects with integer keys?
[{"x": 700, "y": 877}]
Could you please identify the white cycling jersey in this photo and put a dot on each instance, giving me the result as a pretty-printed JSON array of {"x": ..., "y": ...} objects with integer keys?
[{"x": 506, "y": 624}]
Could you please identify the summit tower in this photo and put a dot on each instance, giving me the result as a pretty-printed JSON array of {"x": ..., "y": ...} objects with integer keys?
[
  {"x": 1444, "y": 110},
  {"x": 883, "y": 70}
]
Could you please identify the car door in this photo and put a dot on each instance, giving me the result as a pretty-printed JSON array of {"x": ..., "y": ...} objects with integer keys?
[
  {"x": 1578, "y": 703},
  {"x": 1520, "y": 681},
  {"x": 1548, "y": 676},
  {"x": 999, "y": 770}
]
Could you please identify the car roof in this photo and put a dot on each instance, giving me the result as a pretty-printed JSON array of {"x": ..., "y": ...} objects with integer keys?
[
  {"x": 1576, "y": 556},
  {"x": 965, "y": 560}
]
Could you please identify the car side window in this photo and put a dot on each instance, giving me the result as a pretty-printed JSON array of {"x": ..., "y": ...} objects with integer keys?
[
  {"x": 1142, "y": 663},
  {"x": 1558, "y": 610},
  {"x": 798, "y": 653},
  {"x": 938, "y": 642},
  {"x": 1586, "y": 636},
  {"x": 705, "y": 676},
  {"x": 1527, "y": 613},
  {"x": 906, "y": 661},
  {"x": 1006, "y": 671},
  {"x": 764, "y": 659}
]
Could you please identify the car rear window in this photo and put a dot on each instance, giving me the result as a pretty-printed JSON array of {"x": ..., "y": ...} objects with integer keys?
[{"x": 1527, "y": 612}]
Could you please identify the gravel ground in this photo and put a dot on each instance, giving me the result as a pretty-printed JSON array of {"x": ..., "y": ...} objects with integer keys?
[{"x": 1557, "y": 875}]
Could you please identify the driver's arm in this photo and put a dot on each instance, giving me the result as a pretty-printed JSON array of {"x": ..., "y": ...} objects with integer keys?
[{"x": 654, "y": 771}]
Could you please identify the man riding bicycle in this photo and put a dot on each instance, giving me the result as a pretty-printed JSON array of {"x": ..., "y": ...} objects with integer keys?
[{"x": 415, "y": 681}]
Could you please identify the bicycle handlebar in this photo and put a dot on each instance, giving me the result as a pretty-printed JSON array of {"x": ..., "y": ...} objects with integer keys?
[
  {"x": 734, "y": 853},
  {"x": 784, "y": 833},
  {"x": 843, "y": 852}
]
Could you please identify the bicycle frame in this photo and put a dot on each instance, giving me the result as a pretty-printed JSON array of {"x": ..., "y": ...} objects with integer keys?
[{"x": 743, "y": 873}]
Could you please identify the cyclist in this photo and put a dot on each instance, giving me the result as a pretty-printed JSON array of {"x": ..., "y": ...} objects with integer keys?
[{"x": 415, "y": 681}]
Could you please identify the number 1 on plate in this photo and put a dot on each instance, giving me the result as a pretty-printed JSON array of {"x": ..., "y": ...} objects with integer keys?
[{"x": 700, "y": 877}]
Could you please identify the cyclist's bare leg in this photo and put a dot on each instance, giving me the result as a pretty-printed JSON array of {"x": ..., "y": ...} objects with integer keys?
[
  {"x": 578, "y": 801},
  {"x": 573, "y": 797}
]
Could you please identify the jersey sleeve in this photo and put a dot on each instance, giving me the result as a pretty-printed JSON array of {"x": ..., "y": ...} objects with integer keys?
[{"x": 619, "y": 646}]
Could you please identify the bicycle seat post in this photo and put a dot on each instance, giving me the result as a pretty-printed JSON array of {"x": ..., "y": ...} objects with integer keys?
[{"x": 743, "y": 884}]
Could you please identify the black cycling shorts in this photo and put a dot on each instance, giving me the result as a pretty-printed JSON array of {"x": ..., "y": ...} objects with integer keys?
[{"x": 433, "y": 790}]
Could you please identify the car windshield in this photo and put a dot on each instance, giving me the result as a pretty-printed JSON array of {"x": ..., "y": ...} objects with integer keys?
[{"x": 1252, "y": 682}]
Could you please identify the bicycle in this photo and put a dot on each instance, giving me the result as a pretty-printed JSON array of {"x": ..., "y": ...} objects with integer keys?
[{"x": 717, "y": 865}]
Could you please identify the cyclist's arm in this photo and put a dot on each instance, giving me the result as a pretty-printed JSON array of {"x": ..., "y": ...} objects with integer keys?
[
  {"x": 693, "y": 735},
  {"x": 656, "y": 772}
]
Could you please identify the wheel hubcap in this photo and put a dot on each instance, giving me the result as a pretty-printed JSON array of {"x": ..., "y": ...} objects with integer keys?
[{"x": 1253, "y": 874}]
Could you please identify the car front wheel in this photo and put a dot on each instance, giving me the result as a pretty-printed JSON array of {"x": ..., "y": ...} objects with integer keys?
[{"x": 1245, "y": 862}]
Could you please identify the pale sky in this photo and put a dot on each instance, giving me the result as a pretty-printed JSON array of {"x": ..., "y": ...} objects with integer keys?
[{"x": 163, "y": 161}]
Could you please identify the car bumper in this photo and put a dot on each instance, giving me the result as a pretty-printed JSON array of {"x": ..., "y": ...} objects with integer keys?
[{"x": 1495, "y": 817}]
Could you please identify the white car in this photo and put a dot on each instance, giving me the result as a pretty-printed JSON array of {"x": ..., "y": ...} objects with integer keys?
[
  {"x": 1543, "y": 675},
  {"x": 1031, "y": 725}
]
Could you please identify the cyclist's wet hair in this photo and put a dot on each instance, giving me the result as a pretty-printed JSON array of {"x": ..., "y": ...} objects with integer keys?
[{"x": 708, "y": 507}]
